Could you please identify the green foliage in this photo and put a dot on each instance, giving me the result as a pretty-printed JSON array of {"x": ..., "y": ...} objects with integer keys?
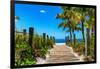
[
  {"x": 25, "y": 58},
  {"x": 74, "y": 19},
  {"x": 79, "y": 48},
  {"x": 92, "y": 46},
  {"x": 23, "y": 55},
  {"x": 42, "y": 44},
  {"x": 50, "y": 43}
]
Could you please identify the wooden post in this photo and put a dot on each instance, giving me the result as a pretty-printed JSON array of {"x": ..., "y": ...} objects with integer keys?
[
  {"x": 50, "y": 37},
  {"x": 24, "y": 34},
  {"x": 31, "y": 34},
  {"x": 44, "y": 40},
  {"x": 31, "y": 30},
  {"x": 44, "y": 36},
  {"x": 47, "y": 37},
  {"x": 47, "y": 43},
  {"x": 53, "y": 39}
]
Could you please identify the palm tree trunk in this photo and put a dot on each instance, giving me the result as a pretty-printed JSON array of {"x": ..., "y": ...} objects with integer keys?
[
  {"x": 73, "y": 37},
  {"x": 74, "y": 40},
  {"x": 70, "y": 33},
  {"x": 85, "y": 44},
  {"x": 70, "y": 37},
  {"x": 92, "y": 30},
  {"x": 88, "y": 40},
  {"x": 83, "y": 31}
]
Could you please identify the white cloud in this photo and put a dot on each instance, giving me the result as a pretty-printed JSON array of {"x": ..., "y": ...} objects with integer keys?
[{"x": 42, "y": 11}]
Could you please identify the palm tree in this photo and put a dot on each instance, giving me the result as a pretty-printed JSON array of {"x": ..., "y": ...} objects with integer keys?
[
  {"x": 90, "y": 25},
  {"x": 64, "y": 25},
  {"x": 87, "y": 24},
  {"x": 72, "y": 17}
]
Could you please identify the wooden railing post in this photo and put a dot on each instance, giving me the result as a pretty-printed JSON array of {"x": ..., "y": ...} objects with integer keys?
[
  {"x": 53, "y": 39},
  {"x": 24, "y": 34},
  {"x": 47, "y": 37},
  {"x": 31, "y": 30},
  {"x": 50, "y": 37},
  {"x": 31, "y": 36},
  {"x": 44, "y": 40}
]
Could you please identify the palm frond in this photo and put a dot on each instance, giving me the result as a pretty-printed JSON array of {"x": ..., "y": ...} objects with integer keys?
[
  {"x": 78, "y": 28},
  {"x": 68, "y": 30},
  {"x": 63, "y": 25}
]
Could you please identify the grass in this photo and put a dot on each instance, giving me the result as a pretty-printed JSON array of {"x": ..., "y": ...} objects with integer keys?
[
  {"x": 26, "y": 54},
  {"x": 23, "y": 54},
  {"x": 79, "y": 48}
]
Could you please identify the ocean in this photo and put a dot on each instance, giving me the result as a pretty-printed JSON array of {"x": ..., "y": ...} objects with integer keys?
[
  {"x": 63, "y": 40},
  {"x": 60, "y": 42}
]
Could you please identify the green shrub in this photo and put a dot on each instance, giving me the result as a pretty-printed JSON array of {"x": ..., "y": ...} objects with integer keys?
[{"x": 23, "y": 54}]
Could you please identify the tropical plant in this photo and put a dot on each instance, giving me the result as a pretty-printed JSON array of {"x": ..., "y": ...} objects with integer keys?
[
  {"x": 70, "y": 20},
  {"x": 76, "y": 18},
  {"x": 23, "y": 54}
]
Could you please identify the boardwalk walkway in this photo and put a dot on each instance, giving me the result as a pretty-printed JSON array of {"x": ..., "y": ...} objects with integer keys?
[{"x": 61, "y": 54}]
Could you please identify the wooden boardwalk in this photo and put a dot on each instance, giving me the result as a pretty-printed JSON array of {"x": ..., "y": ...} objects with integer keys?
[{"x": 61, "y": 54}]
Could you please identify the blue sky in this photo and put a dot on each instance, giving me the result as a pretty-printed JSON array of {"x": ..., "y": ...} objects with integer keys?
[{"x": 42, "y": 18}]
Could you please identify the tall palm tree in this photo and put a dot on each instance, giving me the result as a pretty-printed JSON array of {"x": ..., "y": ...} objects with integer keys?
[
  {"x": 64, "y": 25},
  {"x": 75, "y": 16},
  {"x": 72, "y": 17},
  {"x": 88, "y": 25}
]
